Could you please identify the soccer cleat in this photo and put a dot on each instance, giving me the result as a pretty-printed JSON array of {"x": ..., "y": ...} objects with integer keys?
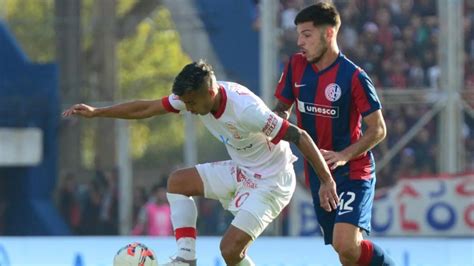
[{"x": 178, "y": 261}]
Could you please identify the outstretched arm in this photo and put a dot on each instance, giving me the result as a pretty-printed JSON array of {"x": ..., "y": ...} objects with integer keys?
[
  {"x": 130, "y": 110},
  {"x": 327, "y": 193}
]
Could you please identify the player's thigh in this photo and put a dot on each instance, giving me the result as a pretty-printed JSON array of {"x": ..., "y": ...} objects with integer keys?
[
  {"x": 186, "y": 181},
  {"x": 346, "y": 236},
  {"x": 219, "y": 180}
]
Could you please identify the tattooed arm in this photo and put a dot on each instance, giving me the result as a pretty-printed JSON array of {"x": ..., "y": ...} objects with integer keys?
[
  {"x": 310, "y": 151},
  {"x": 327, "y": 193}
]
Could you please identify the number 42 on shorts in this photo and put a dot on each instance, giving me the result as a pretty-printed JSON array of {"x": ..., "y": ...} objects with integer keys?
[{"x": 345, "y": 202}]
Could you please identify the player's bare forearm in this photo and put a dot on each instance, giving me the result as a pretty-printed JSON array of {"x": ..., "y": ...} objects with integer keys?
[
  {"x": 373, "y": 135},
  {"x": 364, "y": 144},
  {"x": 282, "y": 110},
  {"x": 310, "y": 151},
  {"x": 130, "y": 110}
]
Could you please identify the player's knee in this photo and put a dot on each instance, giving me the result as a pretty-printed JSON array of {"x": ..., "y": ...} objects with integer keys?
[
  {"x": 231, "y": 252},
  {"x": 175, "y": 183},
  {"x": 345, "y": 249}
]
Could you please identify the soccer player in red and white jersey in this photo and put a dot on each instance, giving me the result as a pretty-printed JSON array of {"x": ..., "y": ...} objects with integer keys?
[
  {"x": 332, "y": 96},
  {"x": 258, "y": 181}
]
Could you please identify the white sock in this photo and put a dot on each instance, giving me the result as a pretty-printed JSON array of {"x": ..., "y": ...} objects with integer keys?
[
  {"x": 247, "y": 261},
  {"x": 183, "y": 218}
]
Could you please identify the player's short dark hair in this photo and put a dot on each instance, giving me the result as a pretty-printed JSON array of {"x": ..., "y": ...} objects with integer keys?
[
  {"x": 194, "y": 76},
  {"x": 322, "y": 13}
]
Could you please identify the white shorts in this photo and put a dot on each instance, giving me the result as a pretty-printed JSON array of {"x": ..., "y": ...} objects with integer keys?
[{"x": 263, "y": 197}]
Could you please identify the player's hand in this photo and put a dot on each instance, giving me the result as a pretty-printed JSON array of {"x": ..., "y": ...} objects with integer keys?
[
  {"x": 328, "y": 198},
  {"x": 333, "y": 159},
  {"x": 81, "y": 110}
]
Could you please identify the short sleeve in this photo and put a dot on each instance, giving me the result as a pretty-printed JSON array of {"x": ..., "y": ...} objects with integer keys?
[
  {"x": 364, "y": 94},
  {"x": 259, "y": 118},
  {"x": 284, "y": 90},
  {"x": 173, "y": 104}
]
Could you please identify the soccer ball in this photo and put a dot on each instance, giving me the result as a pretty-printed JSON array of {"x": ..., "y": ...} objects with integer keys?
[{"x": 135, "y": 254}]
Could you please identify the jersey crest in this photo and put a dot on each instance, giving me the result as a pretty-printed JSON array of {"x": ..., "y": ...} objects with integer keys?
[{"x": 333, "y": 92}]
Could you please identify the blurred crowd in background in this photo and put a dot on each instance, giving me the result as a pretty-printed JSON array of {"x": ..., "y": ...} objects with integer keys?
[
  {"x": 92, "y": 208},
  {"x": 394, "y": 41}
]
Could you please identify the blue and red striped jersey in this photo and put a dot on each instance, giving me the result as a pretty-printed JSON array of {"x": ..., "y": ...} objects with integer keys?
[{"x": 330, "y": 104}]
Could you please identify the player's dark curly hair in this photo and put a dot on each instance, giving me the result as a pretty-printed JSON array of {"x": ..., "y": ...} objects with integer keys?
[
  {"x": 322, "y": 13},
  {"x": 194, "y": 76}
]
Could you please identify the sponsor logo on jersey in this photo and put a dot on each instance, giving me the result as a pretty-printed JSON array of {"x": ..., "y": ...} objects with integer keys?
[
  {"x": 333, "y": 92},
  {"x": 233, "y": 130},
  {"x": 318, "y": 109},
  {"x": 271, "y": 124}
]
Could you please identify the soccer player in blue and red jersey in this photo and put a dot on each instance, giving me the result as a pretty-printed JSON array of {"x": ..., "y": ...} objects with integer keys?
[{"x": 332, "y": 96}]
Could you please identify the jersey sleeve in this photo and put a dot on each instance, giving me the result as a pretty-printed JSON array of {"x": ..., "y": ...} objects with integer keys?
[
  {"x": 364, "y": 94},
  {"x": 173, "y": 104},
  {"x": 284, "y": 90},
  {"x": 259, "y": 118}
]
